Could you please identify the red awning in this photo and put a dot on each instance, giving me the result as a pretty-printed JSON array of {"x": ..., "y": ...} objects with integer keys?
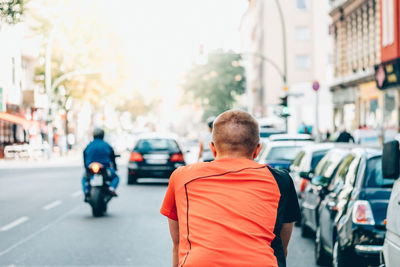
[{"x": 16, "y": 119}]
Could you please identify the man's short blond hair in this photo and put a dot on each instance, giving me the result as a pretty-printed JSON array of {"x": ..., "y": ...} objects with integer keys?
[{"x": 236, "y": 131}]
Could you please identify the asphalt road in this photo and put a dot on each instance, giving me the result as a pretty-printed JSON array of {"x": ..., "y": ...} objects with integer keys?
[{"x": 44, "y": 222}]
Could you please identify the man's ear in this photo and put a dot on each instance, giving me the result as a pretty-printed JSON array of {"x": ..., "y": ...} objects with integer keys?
[
  {"x": 257, "y": 150},
  {"x": 213, "y": 149}
]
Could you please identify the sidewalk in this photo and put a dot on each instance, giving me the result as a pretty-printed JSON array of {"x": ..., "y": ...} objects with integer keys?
[{"x": 73, "y": 158}]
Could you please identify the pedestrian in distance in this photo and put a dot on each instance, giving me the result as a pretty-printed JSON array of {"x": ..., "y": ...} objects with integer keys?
[
  {"x": 345, "y": 137},
  {"x": 232, "y": 211},
  {"x": 205, "y": 153}
]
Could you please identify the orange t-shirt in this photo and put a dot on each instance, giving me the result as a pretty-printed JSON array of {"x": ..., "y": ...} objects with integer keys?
[{"x": 227, "y": 212}]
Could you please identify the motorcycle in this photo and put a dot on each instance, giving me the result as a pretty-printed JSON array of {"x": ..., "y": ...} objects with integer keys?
[{"x": 99, "y": 179}]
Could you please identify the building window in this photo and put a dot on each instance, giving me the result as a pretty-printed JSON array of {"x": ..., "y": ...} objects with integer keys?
[
  {"x": 387, "y": 22},
  {"x": 302, "y": 4},
  {"x": 303, "y": 62},
  {"x": 303, "y": 34}
]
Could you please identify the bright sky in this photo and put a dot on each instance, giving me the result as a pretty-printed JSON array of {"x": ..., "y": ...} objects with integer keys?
[{"x": 163, "y": 38}]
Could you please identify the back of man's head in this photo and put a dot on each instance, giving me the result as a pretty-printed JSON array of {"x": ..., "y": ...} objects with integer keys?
[
  {"x": 98, "y": 133},
  {"x": 236, "y": 132}
]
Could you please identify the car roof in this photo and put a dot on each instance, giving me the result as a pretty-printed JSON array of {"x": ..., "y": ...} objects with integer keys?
[
  {"x": 288, "y": 143},
  {"x": 282, "y": 137},
  {"x": 368, "y": 152},
  {"x": 158, "y": 135}
]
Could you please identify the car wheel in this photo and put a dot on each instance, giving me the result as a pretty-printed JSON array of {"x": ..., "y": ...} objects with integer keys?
[
  {"x": 321, "y": 257},
  {"x": 132, "y": 179},
  {"x": 305, "y": 231},
  {"x": 341, "y": 258}
]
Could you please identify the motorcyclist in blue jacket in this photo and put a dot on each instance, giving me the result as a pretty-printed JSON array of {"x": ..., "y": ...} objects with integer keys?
[{"x": 100, "y": 151}]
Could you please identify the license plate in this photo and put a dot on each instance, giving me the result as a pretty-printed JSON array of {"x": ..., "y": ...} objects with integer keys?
[
  {"x": 156, "y": 161},
  {"x": 97, "y": 180}
]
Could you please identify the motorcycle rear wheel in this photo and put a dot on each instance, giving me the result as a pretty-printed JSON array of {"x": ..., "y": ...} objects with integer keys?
[{"x": 97, "y": 202}]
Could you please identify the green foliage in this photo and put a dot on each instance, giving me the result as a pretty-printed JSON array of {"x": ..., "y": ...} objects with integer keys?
[
  {"x": 11, "y": 10},
  {"x": 83, "y": 41},
  {"x": 217, "y": 84},
  {"x": 137, "y": 105}
]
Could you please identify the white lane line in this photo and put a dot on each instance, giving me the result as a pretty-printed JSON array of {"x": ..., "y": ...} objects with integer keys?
[
  {"x": 52, "y": 205},
  {"x": 14, "y": 224},
  {"x": 41, "y": 230},
  {"x": 76, "y": 194}
]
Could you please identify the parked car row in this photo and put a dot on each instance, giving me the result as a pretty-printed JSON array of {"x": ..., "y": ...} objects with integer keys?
[{"x": 343, "y": 199}]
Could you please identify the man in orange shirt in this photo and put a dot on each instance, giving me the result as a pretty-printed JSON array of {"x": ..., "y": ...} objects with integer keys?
[{"x": 231, "y": 211}]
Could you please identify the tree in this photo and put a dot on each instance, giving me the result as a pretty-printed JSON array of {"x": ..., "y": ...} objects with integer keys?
[
  {"x": 11, "y": 10},
  {"x": 216, "y": 84},
  {"x": 83, "y": 41}
]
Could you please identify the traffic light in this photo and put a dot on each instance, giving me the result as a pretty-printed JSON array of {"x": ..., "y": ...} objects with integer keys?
[
  {"x": 285, "y": 110},
  {"x": 284, "y": 101}
]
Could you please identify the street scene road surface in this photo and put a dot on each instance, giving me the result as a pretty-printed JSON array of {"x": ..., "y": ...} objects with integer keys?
[{"x": 44, "y": 222}]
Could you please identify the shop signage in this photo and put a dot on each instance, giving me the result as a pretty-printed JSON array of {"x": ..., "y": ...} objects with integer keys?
[{"x": 387, "y": 74}]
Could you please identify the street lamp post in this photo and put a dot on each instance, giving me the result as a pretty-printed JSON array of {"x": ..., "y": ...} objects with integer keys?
[{"x": 50, "y": 86}]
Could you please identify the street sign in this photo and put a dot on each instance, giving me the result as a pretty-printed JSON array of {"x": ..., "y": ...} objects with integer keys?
[
  {"x": 387, "y": 74},
  {"x": 315, "y": 86}
]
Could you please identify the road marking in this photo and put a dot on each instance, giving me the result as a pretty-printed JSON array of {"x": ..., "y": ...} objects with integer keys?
[
  {"x": 52, "y": 205},
  {"x": 33, "y": 235},
  {"x": 14, "y": 224},
  {"x": 76, "y": 194}
]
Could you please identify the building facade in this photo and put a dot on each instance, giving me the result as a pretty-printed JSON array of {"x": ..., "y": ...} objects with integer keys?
[
  {"x": 356, "y": 32},
  {"x": 387, "y": 74},
  {"x": 18, "y": 58},
  {"x": 308, "y": 59}
]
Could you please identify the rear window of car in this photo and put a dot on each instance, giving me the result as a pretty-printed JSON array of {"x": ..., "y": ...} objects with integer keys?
[
  {"x": 316, "y": 158},
  {"x": 287, "y": 153},
  {"x": 374, "y": 177},
  {"x": 157, "y": 144}
]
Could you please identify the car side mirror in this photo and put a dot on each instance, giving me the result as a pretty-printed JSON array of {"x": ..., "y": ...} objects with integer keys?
[
  {"x": 390, "y": 160},
  {"x": 306, "y": 175}
]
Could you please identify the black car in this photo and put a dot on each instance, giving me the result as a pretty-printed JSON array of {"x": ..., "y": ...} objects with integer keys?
[
  {"x": 351, "y": 226},
  {"x": 154, "y": 156},
  {"x": 316, "y": 190}
]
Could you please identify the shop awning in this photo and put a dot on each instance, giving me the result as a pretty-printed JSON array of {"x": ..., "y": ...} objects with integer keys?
[{"x": 17, "y": 120}]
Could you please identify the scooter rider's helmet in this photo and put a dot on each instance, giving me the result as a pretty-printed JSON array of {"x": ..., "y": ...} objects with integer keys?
[
  {"x": 98, "y": 133},
  {"x": 210, "y": 121}
]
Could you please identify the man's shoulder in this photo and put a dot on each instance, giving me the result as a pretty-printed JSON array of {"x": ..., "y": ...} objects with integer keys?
[
  {"x": 282, "y": 177},
  {"x": 192, "y": 169}
]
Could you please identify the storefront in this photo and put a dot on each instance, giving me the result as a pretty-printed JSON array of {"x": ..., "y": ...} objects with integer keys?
[
  {"x": 344, "y": 113},
  {"x": 387, "y": 75},
  {"x": 13, "y": 130}
]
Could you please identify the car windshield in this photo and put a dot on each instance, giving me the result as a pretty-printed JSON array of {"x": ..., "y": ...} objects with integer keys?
[
  {"x": 157, "y": 144},
  {"x": 374, "y": 176},
  {"x": 287, "y": 153}
]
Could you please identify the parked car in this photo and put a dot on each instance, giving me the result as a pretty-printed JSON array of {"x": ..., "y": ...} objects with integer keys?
[
  {"x": 155, "y": 156},
  {"x": 280, "y": 154},
  {"x": 316, "y": 190},
  {"x": 351, "y": 227},
  {"x": 304, "y": 164},
  {"x": 390, "y": 256}
]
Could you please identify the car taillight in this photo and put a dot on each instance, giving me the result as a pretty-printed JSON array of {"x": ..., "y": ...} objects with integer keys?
[
  {"x": 303, "y": 185},
  {"x": 177, "y": 157},
  {"x": 136, "y": 157},
  {"x": 95, "y": 167},
  {"x": 362, "y": 213}
]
